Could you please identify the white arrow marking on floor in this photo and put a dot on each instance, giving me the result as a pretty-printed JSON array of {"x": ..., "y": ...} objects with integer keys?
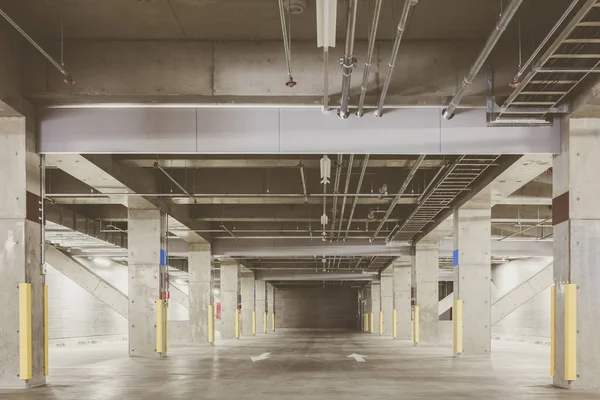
[
  {"x": 357, "y": 357},
  {"x": 263, "y": 356}
]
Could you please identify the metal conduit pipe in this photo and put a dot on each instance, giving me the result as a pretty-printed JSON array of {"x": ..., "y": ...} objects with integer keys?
[
  {"x": 348, "y": 61},
  {"x": 336, "y": 189},
  {"x": 360, "y": 181},
  {"x": 68, "y": 79},
  {"x": 304, "y": 192},
  {"x": 286, "y": 45},
  {"x": 188, "y": 194},
  {"x": 371, "y": 47},
  {"x": 503, "y": 22},
  {"x": 399, "y": 33},
  {"x": 346, "y": 187},
  {"x": 394, "y": 202}
]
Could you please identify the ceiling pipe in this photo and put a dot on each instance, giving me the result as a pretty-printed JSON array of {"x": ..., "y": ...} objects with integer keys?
[
  {"x": 336, "y": 190},
  {"x": 188, "y": 194},
  {"x": 503, "y": 22},
  {"x": 360, "y": 181},
  {"x": 408, "y": 4},
  {"x": 371, "y": 47},
  {"x": 346, "y": 187},
  {"x": 394, "y": 202},
  {"x": 304, "y": 192},
  {"x": 205, "y": 195},
  {"x": 59, "y": 66},
  {"x": 233, "y": 235},
  {"x": 286, "y": 46},
  {"x": 348, "y": 61}
]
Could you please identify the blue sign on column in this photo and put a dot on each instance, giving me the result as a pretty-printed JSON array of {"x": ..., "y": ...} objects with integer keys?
[
  {"x": 163, "y": 257},
  {"x": 455, "y": 258}
]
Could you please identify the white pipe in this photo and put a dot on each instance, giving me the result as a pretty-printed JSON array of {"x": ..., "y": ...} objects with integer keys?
[
  {"x": 371, "y": 47},
  {"x": 348, "y": 60}
]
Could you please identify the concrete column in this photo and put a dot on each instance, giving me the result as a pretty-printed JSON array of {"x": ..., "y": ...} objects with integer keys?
[
  {"x": 144, "y": 241},
  {"x": 426, "y": 283},
  {"x": 261, "y": 304},
  {"x": 270, "y": 307},
  {"x": 472, "y": 275},
  {"x": 402, "y": 298},
  {"x": 20, "y": 255},
  {"x": 387, "y": 299},
  {"x": 200, "y": 292},
  {"x": 247, "y": 296},
  {"x": 366, "y": 308},
  {"x": 576, "y": 220},
  {"x": 229, "y": 297},
  {"x": 375, "y": 306}
]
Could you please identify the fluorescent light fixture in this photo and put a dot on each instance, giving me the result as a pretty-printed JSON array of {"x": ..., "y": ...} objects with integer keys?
[
  {"x": 216, "y": 291},
  {"x": 326, "y": 21},
  {"x": 103, "y": 262}
]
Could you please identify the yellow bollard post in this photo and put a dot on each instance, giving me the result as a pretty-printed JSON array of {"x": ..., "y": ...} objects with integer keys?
[
  {"x": 254, "y": 323},
  {"x": 366, "y": 327},
  {"x": 273, "y": 322},
  {"x": 380, "y": 323},
  {"x": 570, "y": 332},
  {"x": 265, "y": 323},
  {"x": 211, "y": 324},
  {"x": 553, "y": 330},
  {"x": 237, "y": 323},
  {"x": 46, "y": 360},
  {"x": 457, "y": 327},
  {"x": 372, "y": 323},
  {"x": 394, "y": 324},
  {"x": 159, "y": 326},
  {"x": 25, "y": 352},
  {"x": 416, "y": 327}
]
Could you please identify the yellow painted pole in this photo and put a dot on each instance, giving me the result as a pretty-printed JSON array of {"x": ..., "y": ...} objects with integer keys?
[
  {"x": 372, "y": 323},
  {"x": 166, "y": 305},
  {"x": 237, "y": 323},
  {"x": 254, "y": 322},
  {"x": 553, "y": 330},
  {"x": 394, "y": 324},
  {"x": 366, "y": 315},
  {"x": 416, "y": 326},
  {"x": 211, "y": 324},
  {"x": 570, "y": 332},
  {"x": 273, "y": 321},
  {"x": 457, "y": 327},
  {"x": 25, "y": 354},
  {"x": 46, "y": 366},
  {"x": 265, "y": 323},
  {"x": 380, "y": 323},
  {"x": 159, "y": 326}
]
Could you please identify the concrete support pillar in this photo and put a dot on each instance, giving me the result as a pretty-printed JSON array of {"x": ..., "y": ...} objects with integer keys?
[
  {"x": 247, "y": 296},
  {"x": 270, "y": 307},
  {"x": 145, "y": 241},
  {"x": 426, "y": 283},
  {"x": 375, "y": 307},
  {"x": 576, "y": 220},
  {"x": 387, "y": 300},
  {"x": 402, "y": 297},
  {"x": 200, "y": 292},
  {"x": 261, "y": 304},
  {"x": 472, "y": 274},
  {"x": 20, "y": 254},
  {"x": 229, "y": 297}
]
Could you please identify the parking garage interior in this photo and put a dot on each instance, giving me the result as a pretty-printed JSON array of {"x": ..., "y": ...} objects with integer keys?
[{"x": 292, "y": 198}]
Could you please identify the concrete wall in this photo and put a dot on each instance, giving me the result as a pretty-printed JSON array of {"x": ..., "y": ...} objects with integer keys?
[
  {"x": 531, "y": 321},
  {"x": 316, "y": 308},
  {"x": 75, "y": 313}
]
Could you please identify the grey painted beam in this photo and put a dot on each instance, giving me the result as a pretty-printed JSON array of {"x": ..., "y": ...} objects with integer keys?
[{"x": 285, "y": 130}]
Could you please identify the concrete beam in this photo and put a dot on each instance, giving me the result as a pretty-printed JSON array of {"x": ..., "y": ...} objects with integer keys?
[
  {"x": 104, "y": 175},
  {"x": 204, "y": 72}
]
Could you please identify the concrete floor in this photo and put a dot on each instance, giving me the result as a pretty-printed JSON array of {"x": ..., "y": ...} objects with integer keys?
[{"x": 302, "y": 365}]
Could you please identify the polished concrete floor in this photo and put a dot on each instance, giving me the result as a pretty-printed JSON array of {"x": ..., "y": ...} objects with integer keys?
[{"x": 313, "y": 365}]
